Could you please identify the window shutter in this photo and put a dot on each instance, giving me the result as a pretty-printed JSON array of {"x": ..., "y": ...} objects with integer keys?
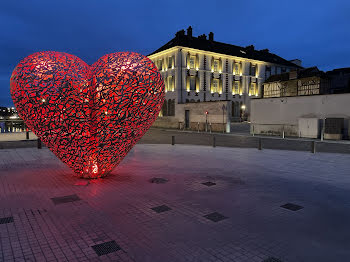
[
  {"x": 211, "y": 85},
  {"x": 188, "y": 83},
  {"x": 173, "y": 61},
  {"x": 220, "y": 65},
  {"x": 212, "y": 64},
  {"x": 197, "y": 84},
  {"x": 197, "y": 61}
]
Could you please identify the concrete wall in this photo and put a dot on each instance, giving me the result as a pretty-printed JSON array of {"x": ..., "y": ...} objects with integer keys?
[
  {"x": 216, "y": 120},
  {"x": 272, "y": 115}
]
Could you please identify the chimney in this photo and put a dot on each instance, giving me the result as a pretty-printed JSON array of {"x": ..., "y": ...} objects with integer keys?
[
  {"x": 180, "y": 33},
  {"x": 189, "y": 31},
  {"x": 203, "y": 37},
  {"x": 250, "y": 47},
  {"x": 211, "y": 36}
]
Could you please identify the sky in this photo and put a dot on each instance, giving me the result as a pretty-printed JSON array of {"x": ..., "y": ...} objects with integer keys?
[{"x": 317, "y": 32}]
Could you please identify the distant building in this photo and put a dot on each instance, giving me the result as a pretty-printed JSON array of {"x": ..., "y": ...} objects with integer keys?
[
  {"x": 305, "y": 103},
  {"x": 340, "y": 80},
  {"x": 199, "y": 69},
  {"x": 300, "y": 82}
]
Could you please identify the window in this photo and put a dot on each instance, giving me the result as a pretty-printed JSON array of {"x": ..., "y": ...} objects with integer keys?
[
  {"x": 170, "y": 62},
  {"x": 216, "y": 65},
  {"x": 193, "y": 83},
  {"x": 252, "y": 90},
  {"x": 236, "y": 69},
  {"x": 192, "y": 62},
  {"x": 252, "y": 70},
  {"x": 283, "y": 70},
  {"x": 267, "y": 72},
  {"x": 215, "y": 86},
  {"x": 160, "y": 64},
  {"x": 170, "y": 84},
  {"x": 235, "y": 87}
]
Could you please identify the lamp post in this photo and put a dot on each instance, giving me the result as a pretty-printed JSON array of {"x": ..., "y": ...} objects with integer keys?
[
  {"x": 243, "y": 107},
  {"x": 223, "y": 118},
  {"x": 206, "y": 121}
]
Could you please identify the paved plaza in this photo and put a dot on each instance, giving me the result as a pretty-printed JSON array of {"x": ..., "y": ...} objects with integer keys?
[{"x": 177, "y": 203}]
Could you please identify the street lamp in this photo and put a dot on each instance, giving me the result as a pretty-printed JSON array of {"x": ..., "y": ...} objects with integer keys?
[{"x": 243, "y": 107}]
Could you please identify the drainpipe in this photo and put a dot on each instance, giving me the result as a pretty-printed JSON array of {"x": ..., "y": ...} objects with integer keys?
[{"x": 181, "y": 74}]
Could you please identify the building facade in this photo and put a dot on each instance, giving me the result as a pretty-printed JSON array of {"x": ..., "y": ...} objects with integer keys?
[
  {"x": 300, "y": 82},
  {"x": 197, "y": 69}
]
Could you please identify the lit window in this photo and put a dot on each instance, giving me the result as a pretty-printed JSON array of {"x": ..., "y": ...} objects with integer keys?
[
  {"x": 215, "y": 86},
  {"x": 236, "y": 68},
  {"x": 252, "y": 70},
  {"x": 193, "y": 83},
  {"x": 170, "y": 62},
  {"x": 192, "y": 62},
  {"x": 236, "y": 87},
  {"x": 170, "y": 83},
  {"x": 216, "y": 65}
]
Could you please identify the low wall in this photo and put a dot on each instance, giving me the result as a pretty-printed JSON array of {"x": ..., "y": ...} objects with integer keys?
[{"x": 273, "y": 115}]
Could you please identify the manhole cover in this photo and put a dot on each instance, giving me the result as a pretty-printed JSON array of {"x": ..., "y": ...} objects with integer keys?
[
  {"x": 160, "y": 209},
  {"x": 209, "y": 183},
  {"x": 215, "y": 217},
  {"x": 6, "y": 220},
  {"x": 292, "y": 207},
  {"x": 106, "y": 248},
  {"x": 158, "y": 180},
  {"x": 272, "y": 259},
  {"x": 65, "y": 199}
]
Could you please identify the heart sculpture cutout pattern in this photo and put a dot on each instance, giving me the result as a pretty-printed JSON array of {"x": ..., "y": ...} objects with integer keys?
[{"x": 88, "y": 116}]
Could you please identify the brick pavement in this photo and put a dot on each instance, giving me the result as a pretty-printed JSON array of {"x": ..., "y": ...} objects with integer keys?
[{"x": 250, "y": 187}]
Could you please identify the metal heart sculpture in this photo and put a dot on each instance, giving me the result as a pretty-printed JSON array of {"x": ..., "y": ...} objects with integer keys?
[{"x": 88, "y": 116}]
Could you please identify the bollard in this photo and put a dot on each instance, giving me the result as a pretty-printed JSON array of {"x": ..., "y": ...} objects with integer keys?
[
  {"x": 27, "y": 134},
  {"x": 313, "y": 147},
  {"x": 259, "y": 144},
  {"x": 283, "y": 134},
  {"x": 39, "y": 143},
  {"x": 198, "y": 126},
  {"x": 172, "y": 140},
  {"x": 214, "y": 141},
  {"x": 210, "y": 127}
]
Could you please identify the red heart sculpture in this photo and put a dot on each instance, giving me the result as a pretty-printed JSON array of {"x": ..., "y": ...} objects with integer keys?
[{"x": 88, "y": 116}]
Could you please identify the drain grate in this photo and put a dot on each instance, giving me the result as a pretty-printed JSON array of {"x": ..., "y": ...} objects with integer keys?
[
  {"x": 272, "y": 259},
  {"x": 209, "y": 183},
  {"x": 106, "y": 248},
  {"x": 6, "y": 220},
  {"x": 160, "y": 209},
  {"x": 65, "y": 199},
  {"x": 292, "y": 207},
  {"x": 215, "y": 217},
  {"x": 158, "y": 180}
]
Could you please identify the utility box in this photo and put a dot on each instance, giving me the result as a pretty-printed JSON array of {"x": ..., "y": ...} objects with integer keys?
[
  {"x": 334, "y": 128},
  {"x": 309, "y": 127}
]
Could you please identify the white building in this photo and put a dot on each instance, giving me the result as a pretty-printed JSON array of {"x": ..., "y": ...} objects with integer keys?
[{"x": 197, "y": 69}]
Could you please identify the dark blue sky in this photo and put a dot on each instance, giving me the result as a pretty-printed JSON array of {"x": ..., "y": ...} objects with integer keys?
[{"x": 317, "y": 32}]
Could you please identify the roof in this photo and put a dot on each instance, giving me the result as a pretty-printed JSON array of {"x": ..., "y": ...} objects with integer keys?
[
  {"x": 345, "y": 70},
  {"x": 301, "y": 73},
  {"x": 202, "y": 43}
]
